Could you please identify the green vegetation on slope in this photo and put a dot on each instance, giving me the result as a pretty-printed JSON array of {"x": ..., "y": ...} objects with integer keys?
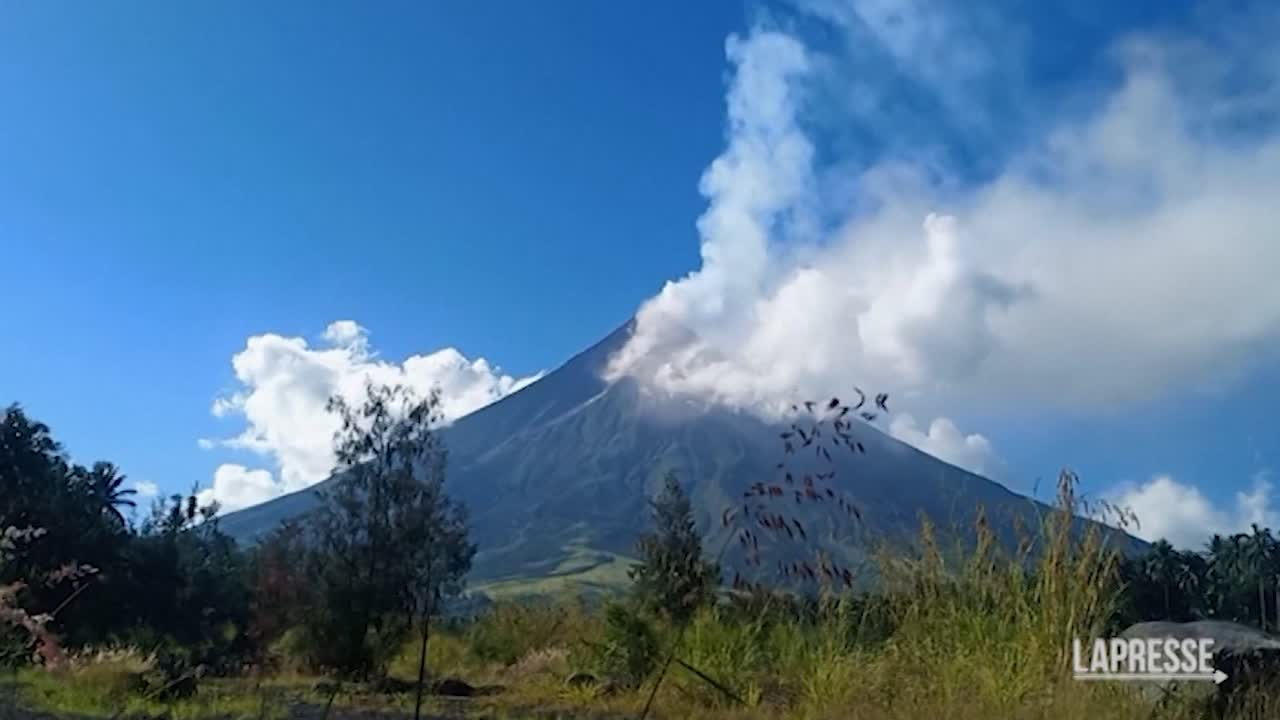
[{"x": 582, "y": 571}]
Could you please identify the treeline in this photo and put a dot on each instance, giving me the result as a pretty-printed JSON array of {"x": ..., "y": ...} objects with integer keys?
[
  {"x": 1235, "y": 577},
  {"x": 74, "y": 554},
  {"x": 339, "y": 590}
]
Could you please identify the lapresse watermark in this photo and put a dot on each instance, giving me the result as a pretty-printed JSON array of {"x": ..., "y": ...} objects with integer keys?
[{"x": 1144, "y": 659}]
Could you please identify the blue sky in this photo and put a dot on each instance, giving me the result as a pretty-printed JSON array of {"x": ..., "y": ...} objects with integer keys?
[{"x": 514, "y": 180}]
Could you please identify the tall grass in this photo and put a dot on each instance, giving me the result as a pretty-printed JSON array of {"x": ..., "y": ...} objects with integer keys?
[
  {"x": 981, "y": 632},
  {"x": 976, "y": 631},
  {"x": 106, "y": 684}
]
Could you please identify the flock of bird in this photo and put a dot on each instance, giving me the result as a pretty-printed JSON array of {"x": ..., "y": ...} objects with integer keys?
[
  {"x": 802, "y": 570},
  {"x": 842, "y": 428},
  {"x": 830, "y": 427}
]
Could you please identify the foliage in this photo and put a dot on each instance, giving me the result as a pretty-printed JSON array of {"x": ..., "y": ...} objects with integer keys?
[
  {"x": 509, "y": 631},
  {"x": 969, "y": 636},
  {"x": 77, "y": 513},
  {"x": 172, "y": 579},
  {"x": 281, "y": 593},
  {"x": 25, "y": 632},
  {"x": 672, "y": 576},
  {"x": 292, "y": 652},
  {"x": 979, "y": 631},
  {"x": 509, "y": 638},
  {"x": 197, "y": 585},
  {"x": 388, "y": 543},
  {"x": 110, "y": 690},
  {"x": 629, "y": 649},
  {"x": 1235, "y": 577}
]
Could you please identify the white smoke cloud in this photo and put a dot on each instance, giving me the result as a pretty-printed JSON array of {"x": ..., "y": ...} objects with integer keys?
[
  {"x": 943, "y": 440},
  {"x": 286, "y": 383},
  {"x": 1125, "y": 254},
  {"x": 1169, "y": 510},
  {"x": 758, "y": 191}
]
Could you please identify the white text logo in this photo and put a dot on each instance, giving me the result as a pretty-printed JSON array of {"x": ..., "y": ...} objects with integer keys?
[{"x": 1144, "y": 659}]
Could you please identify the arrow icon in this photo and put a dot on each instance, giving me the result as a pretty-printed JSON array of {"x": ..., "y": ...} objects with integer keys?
[{"x": 1217, "y": 676}]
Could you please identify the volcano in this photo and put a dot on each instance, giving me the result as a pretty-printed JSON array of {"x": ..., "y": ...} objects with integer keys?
[{"x": 557, "y": 478}]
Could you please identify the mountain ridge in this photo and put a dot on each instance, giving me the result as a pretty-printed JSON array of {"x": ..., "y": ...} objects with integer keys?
[{"x": 560, "y": 472}]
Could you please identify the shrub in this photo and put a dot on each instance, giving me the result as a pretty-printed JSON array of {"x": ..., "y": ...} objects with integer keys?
[
  {"x": 292, "y": 652},
  {"x": 510, "y": 631},
  {"x": 629, "y": 651},
  {"x": 673, "y": 578},
  {"x": 115, "y": 673}
]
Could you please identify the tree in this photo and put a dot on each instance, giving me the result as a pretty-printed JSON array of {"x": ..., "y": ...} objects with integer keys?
[
  {"x": 41, "y": 488},
  {"x": 173, "y": 578},
  {"x": 189, "y": 583},
  {"x": 105, "y": 490},
  {"x": 1224, "y": 567},
  {"x": 1190, "y": 582},
  {"x": 673, "y": 577},
  {"x": 387, "y": 541},
  {"x": 280, "y": 588},
  {"x": 1161, "y": 568},
  {"x": 443, "y": 560},
  {"x": 33, "y": 627},
  {"x": 1260, "y": 555}
]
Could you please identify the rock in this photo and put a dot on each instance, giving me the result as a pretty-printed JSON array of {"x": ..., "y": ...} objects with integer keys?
[
  {"x": 1244, "y": 653},
  {"x": 1230, "y": 637},
  {"x": 453, "y": 687}
]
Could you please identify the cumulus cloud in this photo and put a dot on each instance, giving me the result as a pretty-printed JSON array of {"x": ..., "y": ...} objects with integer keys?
[
  {"x": 1126, "y": 252},
  {"x": 346, "y": 333},
  {"x": 236, "y": 486},
  {"x": 145, "y": 489},
  {"x": 943, "y": 440},
  {"x": 286, "y": 382},
  {"x": 1180, "y": 513}
]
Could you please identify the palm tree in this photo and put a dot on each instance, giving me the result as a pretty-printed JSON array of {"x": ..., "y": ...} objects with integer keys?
[
  {"x": 1260, "y": 554},
  {"x": 1161, "y": 569},
  {"x": 1191, "y": 583},
  {"x": 105, "y": 485},
  {"x": 1225, "y": 568}
]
